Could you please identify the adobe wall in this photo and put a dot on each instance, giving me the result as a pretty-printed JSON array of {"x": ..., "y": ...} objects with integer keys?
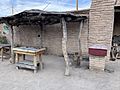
[
  {"x": 51, "y": 37},
  {"x": 28, "y": 35},
  {"x": 101, "y": 27},
  {"x": 101, "y": 22}
]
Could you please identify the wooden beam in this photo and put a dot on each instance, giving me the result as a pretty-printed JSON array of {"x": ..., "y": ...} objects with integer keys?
[
  {"x": 2, "y": 50},
  {"x": 79, "y": 40},
  {"x": 64, "y": 47},
  {"x": 12, "y": 60},
  {"x": 42, "y": 34},
  {"x": 76, "y": 5}
]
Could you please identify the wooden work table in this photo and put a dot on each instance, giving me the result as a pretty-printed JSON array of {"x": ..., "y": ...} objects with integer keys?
[
  {"x": 2, "y": 48},
  {"x": 36, "y": 53}
]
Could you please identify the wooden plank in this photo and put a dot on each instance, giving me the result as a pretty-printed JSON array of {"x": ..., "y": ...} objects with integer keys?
[
  {"x": 26, "y": 64},
  {"x": 64, "y": 47},
  {"x": 26, "y": 53},
  {"x": 31, "y": 50}
]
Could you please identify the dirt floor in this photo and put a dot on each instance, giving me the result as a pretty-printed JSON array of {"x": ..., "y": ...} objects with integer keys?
[{"x": 52, "y": 77}]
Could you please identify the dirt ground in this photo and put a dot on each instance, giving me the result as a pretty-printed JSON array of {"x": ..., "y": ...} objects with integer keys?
[{"x": 52, "y": 77}]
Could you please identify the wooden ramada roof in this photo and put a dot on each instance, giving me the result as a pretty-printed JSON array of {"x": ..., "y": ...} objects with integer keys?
[{"x": 37, "y": 17}]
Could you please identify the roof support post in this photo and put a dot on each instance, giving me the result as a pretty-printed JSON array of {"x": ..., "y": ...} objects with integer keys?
[
  {"x": 42, "y": 34},
  {"x": 79, "y": 42},
  {"x": 76, "y": 5},
  {"x": 12, "y": 60},
  {"x": 64, "y": 47}
]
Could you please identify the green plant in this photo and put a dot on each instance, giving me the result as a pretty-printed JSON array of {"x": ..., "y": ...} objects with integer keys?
[{"x": 3, "y": 40}]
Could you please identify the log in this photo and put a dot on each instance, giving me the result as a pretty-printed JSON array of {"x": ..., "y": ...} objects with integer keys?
[
  {"x": 12, "y": 59},
  {"x": 79, "y": 42},
  {"x": 2, "y": 50},
  {"x": 64, "y": 47}
]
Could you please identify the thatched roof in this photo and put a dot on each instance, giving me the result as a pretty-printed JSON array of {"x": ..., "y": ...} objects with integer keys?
[{"x": 37, "y": 17}]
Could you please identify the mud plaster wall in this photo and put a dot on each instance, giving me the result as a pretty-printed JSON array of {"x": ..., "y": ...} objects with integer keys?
[{"x": 51, "y": 37}]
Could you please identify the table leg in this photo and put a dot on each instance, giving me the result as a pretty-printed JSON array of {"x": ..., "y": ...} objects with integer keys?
[
  {"x": 23, "y": 56},
  {"x": 35, "y": 63},
  {"x": 40, "y": 61},
  {"x": 10, "y": 52},
  {"x": 2, "y": 53},
  {"x": 17, "y": 57}
]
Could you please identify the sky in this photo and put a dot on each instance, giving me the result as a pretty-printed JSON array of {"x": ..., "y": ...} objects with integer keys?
[{"x": 47, "y": 5}]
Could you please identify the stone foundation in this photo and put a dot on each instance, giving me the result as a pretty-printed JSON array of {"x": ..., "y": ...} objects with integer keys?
[{"x": 97, "y": 63}]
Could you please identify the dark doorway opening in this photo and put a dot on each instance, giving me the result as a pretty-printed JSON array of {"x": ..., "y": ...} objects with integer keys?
[{"x": 115, "y": 49}]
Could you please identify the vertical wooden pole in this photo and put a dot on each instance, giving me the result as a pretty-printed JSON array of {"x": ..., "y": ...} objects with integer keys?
[
  {"x": 12, "y": 45},
  {"x": 64, "y": 47},
  {"x": 76, "y": 5},
  {"x": 2, "y": 50},
  {"x": 40, "y": 61},
  {"x": 35, "y": 63},
  {"x": 17, "y": 57},
  {"x": 12, "y": 8},
  {"x": 23, "y": 56},
  {"x": 79, "y": 40},
  {"x": 42, "y": 34}
]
